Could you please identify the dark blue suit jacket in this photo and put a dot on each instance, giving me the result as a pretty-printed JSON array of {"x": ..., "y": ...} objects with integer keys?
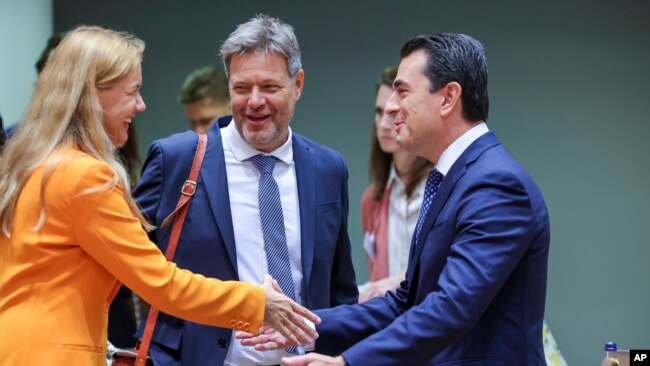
[
  {"x": 475, "y": 285},
  {"x": 207, "y": 243}
]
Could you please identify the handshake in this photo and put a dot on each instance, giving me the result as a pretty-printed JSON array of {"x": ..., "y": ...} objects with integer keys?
[{"x": 286, "y": 324}]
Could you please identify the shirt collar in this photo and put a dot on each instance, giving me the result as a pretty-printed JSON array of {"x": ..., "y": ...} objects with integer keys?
[
  {"x": 392, "y": 176},
  {"x": 242, "y": 151},
  {"x": 454, "y": 151}
]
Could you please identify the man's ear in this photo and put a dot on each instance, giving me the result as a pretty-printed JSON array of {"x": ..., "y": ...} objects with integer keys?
[
  {"x": 451, "y": 98},
  {"x": 299, "y": 81}
]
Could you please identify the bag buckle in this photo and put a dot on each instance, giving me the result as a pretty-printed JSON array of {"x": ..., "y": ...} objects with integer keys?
[{"x": 189, "y": 188}]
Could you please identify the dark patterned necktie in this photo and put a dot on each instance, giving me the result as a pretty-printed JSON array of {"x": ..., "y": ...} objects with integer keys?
[
  {"x": 430, "y": 189},
  {"x": 275, "y": 239}
]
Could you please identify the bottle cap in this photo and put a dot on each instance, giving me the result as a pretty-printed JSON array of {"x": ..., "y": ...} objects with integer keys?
[{"x": 610, "y": 346}]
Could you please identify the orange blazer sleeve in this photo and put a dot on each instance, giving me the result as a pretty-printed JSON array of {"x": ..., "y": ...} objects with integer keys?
[{"x": 112, "y": 235}]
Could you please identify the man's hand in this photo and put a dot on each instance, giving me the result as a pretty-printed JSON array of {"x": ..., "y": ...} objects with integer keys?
[
  {"x": 286, "y": 317},
  {"x": 313, "y": 359}
]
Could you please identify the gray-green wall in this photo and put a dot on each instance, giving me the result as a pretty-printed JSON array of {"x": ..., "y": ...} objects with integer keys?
[
  {"x": 568, "y": 85},
  {"x": 24, "y": 29}
]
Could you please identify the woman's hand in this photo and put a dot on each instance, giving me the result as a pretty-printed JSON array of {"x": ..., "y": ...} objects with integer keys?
[
  {"x": 380, "y": 287},
  {"x": 268, "y": 339},
  {"x": 313, "y": 359},
  {"x": 287, "y": 317}
]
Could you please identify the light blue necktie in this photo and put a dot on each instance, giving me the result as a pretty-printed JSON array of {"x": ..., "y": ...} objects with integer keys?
[
  {"x": 275, "y": 239},
  {"x": 430, "y": 189}
]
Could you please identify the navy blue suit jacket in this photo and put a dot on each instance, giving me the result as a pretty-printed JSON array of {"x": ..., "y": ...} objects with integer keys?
[
  {"x": 475, "y": 285},
  {"x": 207, "y": 243}
]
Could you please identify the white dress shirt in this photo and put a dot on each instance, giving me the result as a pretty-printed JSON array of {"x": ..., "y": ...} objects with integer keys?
[
  {"x": 402, "y": 218},
  {"x": 243, "y": 182},
  {"x": 456, "y": 149}
]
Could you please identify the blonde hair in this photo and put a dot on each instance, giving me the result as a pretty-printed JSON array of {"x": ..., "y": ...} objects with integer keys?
[{"x": 65, "y": 112}]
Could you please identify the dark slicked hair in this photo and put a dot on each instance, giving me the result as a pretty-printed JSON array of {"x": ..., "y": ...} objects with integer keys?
[{"x": 460, "y": 58}]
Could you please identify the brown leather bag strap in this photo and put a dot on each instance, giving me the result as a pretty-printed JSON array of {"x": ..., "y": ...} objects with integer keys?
[{"x": 187, "y": 191}]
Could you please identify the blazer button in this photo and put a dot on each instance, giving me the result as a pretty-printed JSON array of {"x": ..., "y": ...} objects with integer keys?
[
  {"x": 221, "y": 343},
  {"x": 232, "y": 323},
  {"x": 240, "y": 324},
  {"x": 247, "y": 326}
]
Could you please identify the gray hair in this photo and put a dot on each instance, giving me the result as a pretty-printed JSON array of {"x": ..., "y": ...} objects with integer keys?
[{"x": 263, "y": 34}]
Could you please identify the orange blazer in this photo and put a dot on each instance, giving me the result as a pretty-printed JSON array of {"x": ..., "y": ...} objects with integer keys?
[{"x": 56, "y": 283}]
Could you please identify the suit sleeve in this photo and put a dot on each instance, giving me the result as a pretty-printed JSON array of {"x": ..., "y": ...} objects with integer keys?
[
  {"x": 110, "y": 234},
  {"x": 148, "y": 191},
  {"x": 343, "y": 282},
  {"x": 345, "y": 325},
  {"x": 492, "y": 236}
]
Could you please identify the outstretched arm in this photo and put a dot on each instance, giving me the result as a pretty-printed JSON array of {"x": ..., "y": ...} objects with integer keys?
[{"x": 286, "y": 317}]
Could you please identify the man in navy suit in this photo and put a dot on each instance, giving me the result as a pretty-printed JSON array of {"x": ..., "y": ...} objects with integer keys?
[
  {"x": 475, "y": 286},
  {"x": 223, "y": 233}
]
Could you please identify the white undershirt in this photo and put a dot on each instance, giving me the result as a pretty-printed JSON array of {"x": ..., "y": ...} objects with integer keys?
[
  {"x": 456, "y": 149},
  {"x": 397, "y": 213},
  {"x": 243, "y": 181},
  {"x": 402, "y": 218}
]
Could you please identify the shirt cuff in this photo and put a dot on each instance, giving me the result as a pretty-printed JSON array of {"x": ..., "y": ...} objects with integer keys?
[{"x": 310, "y": 347}]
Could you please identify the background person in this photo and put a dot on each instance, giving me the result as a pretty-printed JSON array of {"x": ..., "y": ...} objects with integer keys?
[
  {"x": 52, "y": 42},
  {"x": 205, "y": 97},
  {"x": 391, "y": 204},
  {"x": 3, "y": 136}
]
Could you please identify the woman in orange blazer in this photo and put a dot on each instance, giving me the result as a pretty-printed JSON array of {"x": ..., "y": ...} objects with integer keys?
[{"x": 70, "y": 229}]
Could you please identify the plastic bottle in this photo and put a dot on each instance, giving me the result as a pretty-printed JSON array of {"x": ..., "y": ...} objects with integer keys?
[{"x": 609, "y": 359}]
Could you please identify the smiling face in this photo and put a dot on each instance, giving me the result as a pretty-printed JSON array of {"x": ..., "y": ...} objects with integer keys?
[
  {"x": 120, "y": 102},
  {"x": 416, "y": 110},
  {"x": 263, "y": 98}
]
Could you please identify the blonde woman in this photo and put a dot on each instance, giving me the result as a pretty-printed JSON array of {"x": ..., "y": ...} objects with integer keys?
[{"x": 70, "y": 229}]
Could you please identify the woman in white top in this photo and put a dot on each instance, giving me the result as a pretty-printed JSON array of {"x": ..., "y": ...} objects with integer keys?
[{"x": 391, "y": 204}]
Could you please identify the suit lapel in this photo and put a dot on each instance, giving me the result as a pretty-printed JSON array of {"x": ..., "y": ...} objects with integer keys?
[
  {"x": 457, "y": 170},
  {"x": 215, "y": 180},
  {"x": 306, "y": 176}
]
